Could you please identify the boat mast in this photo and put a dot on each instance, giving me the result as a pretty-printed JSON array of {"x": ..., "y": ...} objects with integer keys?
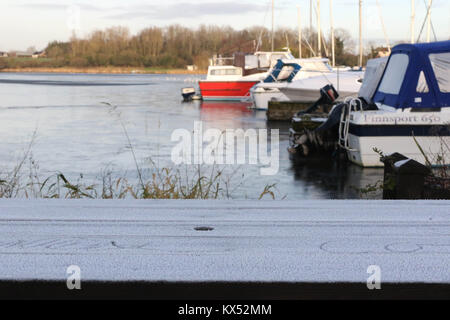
[
  {"x": 273, "y": 21},
  {"x": 299, "y": 33},
  {"x": 386, "y": 38},
  {"x": 333, "y": 60},
  {"x": 319, "y": 39},
  {"x": 413, "y": 16},
  {"x": 430, "y": 3},
  {"x": 360, "y": 35},
  {"x": 311, "y": 24}
]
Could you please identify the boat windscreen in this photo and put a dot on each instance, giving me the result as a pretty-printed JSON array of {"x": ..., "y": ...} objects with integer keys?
[
  {"x": 441, "y": 66},
  {"x": 319, "y": 66},
  {"x": 395, "y": 73},
  {"x": 226, "y": 72}
]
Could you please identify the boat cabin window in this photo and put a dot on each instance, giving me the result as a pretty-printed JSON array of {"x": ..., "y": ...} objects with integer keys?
[
  {"x": 264, "y": 61},
  {"x": 395, "y": 73},
  {"x": 422, "y": 85},
  {"x": 251, "y": 62},
  {"x": 320, "y": 66},
  {"x": 276, "y": 57},
  {"x": 441, "y": 64},
  {"x": 285, "y": 73},
  {"x": 225, "y": 72}
]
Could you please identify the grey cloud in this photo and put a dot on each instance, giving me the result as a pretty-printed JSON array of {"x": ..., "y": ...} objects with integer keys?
[
  {"x": 186, "y": 10},
  {"x": 53, "y": 6}
]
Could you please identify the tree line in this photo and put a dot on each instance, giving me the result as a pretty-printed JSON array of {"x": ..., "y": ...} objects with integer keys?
[{"x": 176, "y": 46}]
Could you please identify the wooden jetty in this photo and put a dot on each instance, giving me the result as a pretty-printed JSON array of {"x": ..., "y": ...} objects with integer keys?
[
  {"x": 285, "y": 110},
  {"x": 225, "y": 249}
]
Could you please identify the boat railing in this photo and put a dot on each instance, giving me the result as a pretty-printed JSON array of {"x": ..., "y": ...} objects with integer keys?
[{"x": 350, "y": 104}]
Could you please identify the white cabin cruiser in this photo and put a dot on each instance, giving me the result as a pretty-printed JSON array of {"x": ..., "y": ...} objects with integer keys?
[
  {"x": 347, "y": 83},
  {"x": 299, "y": 80},
  {"x": 283, "y": 73},
  {"x": 410, "y": 113}
]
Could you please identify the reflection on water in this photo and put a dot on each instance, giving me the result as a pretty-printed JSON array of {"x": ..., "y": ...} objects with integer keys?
[
  {"x": 71, "y": 83},
  {"x": 338, "y": 180},
  {"x": 78, "y": 133}
]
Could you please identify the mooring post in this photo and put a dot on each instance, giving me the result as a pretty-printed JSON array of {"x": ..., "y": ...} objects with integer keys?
[
  {"x": 389, "y": 181},
  {"x": 404, "y": 178},
  {"x": 410, "y": 179}
]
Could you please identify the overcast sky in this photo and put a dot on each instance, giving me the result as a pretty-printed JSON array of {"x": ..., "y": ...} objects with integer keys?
[{"x": 25, "y": 23}]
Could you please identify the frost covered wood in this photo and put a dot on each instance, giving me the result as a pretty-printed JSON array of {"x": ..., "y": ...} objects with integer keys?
[{"x": 313, "y": 241}]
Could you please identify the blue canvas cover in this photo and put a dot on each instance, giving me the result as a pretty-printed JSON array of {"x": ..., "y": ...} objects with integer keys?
[
  {"x": 419, "y": 63},
  {"x": 277, "y": 70}
]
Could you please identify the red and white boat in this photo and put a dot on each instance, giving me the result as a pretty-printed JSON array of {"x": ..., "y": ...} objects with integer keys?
[{"x": 233, "y": 81}]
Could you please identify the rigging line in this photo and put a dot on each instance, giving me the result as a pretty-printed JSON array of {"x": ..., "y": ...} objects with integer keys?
[
  {"x": 386, "y": 38},
  {"x": 424, "y": 22},
  {"x": 431, "y": 22},
  {"x": 326, "y": 78},
  {"x": 324, "y": 44},
  {"x": 309, "y": 45},
  {"x": 264, "y": 23}
]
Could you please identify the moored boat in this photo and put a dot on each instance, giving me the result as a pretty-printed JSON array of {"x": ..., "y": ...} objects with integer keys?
[
  {"x": 283, "y": 73},
  {"x": 347, "y": 84},
  {"x": 232, "y": 78},
  {"x": 318, "y": 133},
  {"x": 410, "y": 113},
  {"x": 187, "y": 93}
]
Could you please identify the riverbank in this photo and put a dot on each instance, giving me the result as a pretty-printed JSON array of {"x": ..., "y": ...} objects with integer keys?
[{"x": 102, "y": 70}]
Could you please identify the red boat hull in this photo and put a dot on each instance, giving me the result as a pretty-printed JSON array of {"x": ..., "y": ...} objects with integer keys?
[{"x": 226, "y": 90}]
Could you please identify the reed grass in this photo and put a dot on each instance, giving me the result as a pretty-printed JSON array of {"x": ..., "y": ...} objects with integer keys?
[
  {"x": 164, "y": 183},
  {"x": 205, "y": 182}
]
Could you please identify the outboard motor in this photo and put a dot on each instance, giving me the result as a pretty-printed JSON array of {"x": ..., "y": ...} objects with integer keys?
[
  {"x": 328, "y": 95},
  {"x": 187, "y": 93},
  {"x": 307, "y": 135}
]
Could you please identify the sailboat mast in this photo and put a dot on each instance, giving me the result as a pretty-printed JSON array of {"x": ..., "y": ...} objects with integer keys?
[
  {"x": 360, "y": 35},
  {"x": 333, "y": 59},
  {"x": 413, "y": 17},
  {"x": 299, "y": 33},
  {"x": 273, "y": 24},
  {"x": 319, "y": 38},
  {"x": 311, "y": 23},
  {"x": 430, "y": 3}
]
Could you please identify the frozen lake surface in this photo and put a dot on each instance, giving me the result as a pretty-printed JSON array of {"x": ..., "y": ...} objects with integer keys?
[{"x": 78, "y": 134}]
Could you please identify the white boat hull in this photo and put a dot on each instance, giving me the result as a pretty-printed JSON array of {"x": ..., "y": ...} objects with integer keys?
[
  {"x": 261, "y": 98},
  {"x": 311, "y": 95},
  {"x": 392, "y": 132},
  {"x": 365, "y": 156}
]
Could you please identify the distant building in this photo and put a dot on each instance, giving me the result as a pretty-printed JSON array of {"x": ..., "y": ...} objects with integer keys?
[
  {"x": 38, "y": 54},
  {"x": 191, "y": 68},
  {"x": 3, "y": 54},
  {"x": 22, "y": 54},
  {"x": 25, "y": 54}
]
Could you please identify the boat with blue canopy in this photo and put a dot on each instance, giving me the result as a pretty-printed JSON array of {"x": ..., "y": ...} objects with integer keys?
[
  {"x": 300, "y": 80},
  {"x": 408, "y": 112}
]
